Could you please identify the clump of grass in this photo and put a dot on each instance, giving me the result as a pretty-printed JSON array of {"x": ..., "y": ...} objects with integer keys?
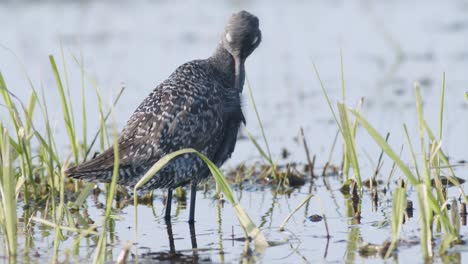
[
  {"x": 431, "y": 206},
  {"x": 434, "y": 206},
  {"x": 40, "y": 178},
  {"x": 22, "y": 144}
]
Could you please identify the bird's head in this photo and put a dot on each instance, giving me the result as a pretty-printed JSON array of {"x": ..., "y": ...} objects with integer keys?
[{"x": 242, "y": 35}]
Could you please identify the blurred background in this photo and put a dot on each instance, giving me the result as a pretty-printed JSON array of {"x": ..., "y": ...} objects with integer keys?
[{"x": 386, "y": 46}]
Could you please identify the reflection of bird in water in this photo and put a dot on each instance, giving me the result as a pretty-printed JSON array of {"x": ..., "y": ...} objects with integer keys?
[{"x": 198, "y": 107}]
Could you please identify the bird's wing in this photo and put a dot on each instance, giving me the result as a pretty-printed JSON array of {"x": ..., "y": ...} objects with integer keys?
[{"x": 169, "y": 119}]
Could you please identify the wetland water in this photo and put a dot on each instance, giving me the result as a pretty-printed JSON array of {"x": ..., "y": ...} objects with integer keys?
[{"x": 386, "y": 47}]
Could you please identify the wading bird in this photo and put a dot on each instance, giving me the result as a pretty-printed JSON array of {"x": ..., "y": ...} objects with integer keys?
[{"x": 198, "y": 106}]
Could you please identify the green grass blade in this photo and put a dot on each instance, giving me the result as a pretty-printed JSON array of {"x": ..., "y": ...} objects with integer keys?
[
  {"x": 8, "y": 196},
  {"x": 258, "y": 119},
  {"x": 29, "y": 112},
  {"x": 9, "y": 103},
  {"x": 67, "y": 85},
  {"x": 386, "y": 147},
  {"x": 83, "y": 195},
  {"x": 426, "y": 230},
  {"x": 65, "y": 108},
  {"x": 83, "y": 104},
  {"x": 115, "y": 177},
  {"x": 349, "y": 142},
  {"x": 455, "y": 217},
  {"x": 259, "y": 148},
  {"x": 327, "y": 98},
  {"x": 89, "y": 231},
  {"x": 441, "y": 111},
  {"x": 100, "y": 131},
  {"x": 100, "y": 254},
  {"x": 49, "y": 145},
  {"x": 285, "y": 221},
  {"x": 413, "y": 156},
  {"x": 398, "y": 211},
  {"x": 419, "y": 108},
  {"x": 451, "y": 176}
]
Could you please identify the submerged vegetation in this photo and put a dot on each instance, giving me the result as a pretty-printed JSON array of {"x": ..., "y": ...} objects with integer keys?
[{"x": 32, "y": 178}]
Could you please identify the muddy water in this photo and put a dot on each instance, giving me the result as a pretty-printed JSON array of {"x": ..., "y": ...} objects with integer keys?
[{"x": 386, "y": 47}]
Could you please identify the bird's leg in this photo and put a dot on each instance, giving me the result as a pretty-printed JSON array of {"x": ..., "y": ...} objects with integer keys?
[
  {"x": 171, "y": 238},
  {"x": 193, "y": 238},
  {"x": 168, "y": 205},
  {"x": 193, "y": 195}
]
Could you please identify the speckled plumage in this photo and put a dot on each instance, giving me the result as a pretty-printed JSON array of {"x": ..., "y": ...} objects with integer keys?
[{"x": 198, "y": 107}]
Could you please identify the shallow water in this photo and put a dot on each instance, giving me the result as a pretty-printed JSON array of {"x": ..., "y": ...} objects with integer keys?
[
  {"x": 386, "y": 47},
  {"x": 219, "y": 238}
]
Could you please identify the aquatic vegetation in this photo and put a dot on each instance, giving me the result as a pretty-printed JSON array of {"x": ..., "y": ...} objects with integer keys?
[
  {"x": 434, "y": 211},
  {"x": 433, "y": 207}
]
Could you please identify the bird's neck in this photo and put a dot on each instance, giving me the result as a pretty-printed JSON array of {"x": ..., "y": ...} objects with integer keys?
[{"x": 224, "y": 62}]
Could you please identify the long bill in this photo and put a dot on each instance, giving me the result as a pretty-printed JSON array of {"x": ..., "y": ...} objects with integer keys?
[{"x": 239, "y": 72}]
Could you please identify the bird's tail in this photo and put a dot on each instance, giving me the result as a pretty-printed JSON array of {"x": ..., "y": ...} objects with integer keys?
[
  {"x": 98, "y": 169},
  {"x": 92, "y": 175}
]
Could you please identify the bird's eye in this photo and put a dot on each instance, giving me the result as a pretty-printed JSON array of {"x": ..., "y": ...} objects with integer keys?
[
  {"x": 255, "y": 40},
  {"x": 228, "y": 37}
]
